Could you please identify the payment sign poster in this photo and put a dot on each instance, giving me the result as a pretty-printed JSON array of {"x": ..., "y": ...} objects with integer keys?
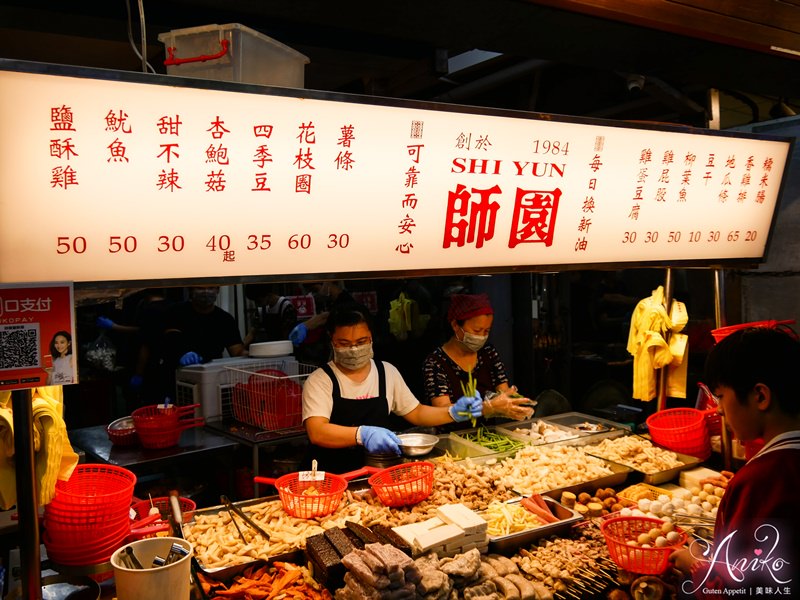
[{"x": 37, "y": 335}]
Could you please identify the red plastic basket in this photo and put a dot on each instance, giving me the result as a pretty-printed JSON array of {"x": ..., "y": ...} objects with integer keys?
[
  {"x": 95, "y": 484},
  {"x": 646, "y": 561},
  {"x": 722, "y": 332},
  {"x": 64, "y": 519},
  {"x": 159, "y": 427},
  {"x": 142, "y": 508},
  {"x": 269, "y": 400},
  {"x": 403, "y": 484},
  {"x": 86, "y": 538},
  {"x": 682, "y": 430},
  {"x": 308, "y": 499}
]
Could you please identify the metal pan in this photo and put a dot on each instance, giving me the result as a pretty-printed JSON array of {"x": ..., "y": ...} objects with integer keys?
[
  {"x": 689, "y": 462},
  {"x": 225, "y": 573},
  {"x": 618, "y": 476},
  {"x": 510, "y": 544}
]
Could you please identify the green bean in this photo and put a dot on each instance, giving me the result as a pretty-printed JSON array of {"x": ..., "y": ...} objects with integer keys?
[{"x": 493, "y": 441}]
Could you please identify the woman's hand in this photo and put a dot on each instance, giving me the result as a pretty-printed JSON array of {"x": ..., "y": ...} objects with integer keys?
[{"x": 507, "y": 404}]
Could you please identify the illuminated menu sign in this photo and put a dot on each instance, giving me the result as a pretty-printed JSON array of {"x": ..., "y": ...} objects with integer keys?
[{"x": 143, "y": 179}]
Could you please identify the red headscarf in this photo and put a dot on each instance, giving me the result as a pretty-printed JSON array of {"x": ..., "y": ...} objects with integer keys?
[{"x": 466, "y": 306}]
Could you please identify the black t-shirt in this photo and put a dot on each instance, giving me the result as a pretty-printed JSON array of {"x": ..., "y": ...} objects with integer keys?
[{"x": 207, "y": 334}]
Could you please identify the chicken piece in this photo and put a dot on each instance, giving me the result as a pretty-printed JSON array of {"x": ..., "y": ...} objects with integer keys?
[
  {"x": 355, "y": 588},
  {"x": 433, "y": 582},
  {"x": 462, "y": 565}
]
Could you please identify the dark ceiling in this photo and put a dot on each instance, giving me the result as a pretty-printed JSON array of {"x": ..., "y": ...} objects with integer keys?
[{"x": 550, "y": 60}]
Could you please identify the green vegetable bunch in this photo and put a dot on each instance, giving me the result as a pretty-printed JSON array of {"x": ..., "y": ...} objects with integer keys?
[
  {"x": 496, "y": 442},
  {"x": 469, "y": 390}
]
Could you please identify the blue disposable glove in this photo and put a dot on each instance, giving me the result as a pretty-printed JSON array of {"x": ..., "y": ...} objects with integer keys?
[
  {"x": 378, "y": 440},
  {"x": 468, "y": 406},
  {"x": 104, "y": 323},
  {"x": 298, "y": 334},
  {"x": 136, "y": 382},
  {"x": 190, "y": 358}
]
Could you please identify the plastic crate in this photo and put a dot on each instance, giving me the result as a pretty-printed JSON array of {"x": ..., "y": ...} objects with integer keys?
[
  {"x": 209, "y": 384},
  {"x": 248, "y": 57},
  {"x": 270, "y": 395}
]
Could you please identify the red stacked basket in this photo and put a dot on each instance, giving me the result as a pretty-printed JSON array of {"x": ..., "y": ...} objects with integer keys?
[
  {"x": 88, "y": 519},
  {"x": 160, "y": 426}
]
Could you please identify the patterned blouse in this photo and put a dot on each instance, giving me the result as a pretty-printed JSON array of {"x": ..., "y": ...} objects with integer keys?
[{"x": 441, "y": 374}]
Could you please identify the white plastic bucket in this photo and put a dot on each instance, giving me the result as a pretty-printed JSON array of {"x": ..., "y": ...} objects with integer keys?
[{"x": 170, "y": 581}]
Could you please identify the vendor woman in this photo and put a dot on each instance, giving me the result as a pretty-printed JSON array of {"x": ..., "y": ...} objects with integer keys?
[
  {"x": 347, "y": 403},
  {"x": 448, "y": 367}
]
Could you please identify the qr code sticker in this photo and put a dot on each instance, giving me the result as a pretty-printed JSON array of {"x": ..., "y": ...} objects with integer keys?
[{"x": 19, "y": 347}]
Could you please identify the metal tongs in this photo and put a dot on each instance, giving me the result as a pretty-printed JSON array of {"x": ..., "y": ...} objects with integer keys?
[{"x": 233, "y": 509}]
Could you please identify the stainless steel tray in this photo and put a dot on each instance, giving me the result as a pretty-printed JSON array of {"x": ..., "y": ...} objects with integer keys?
[
  {"x": 511, "y": 430},
  {"x": 456, "y": 447},
  {"x": 576, "y": 421},
  {"x": 509, "y": 544},
  {"x": 492, "y": 429},
  {"x": 618, "y": 476},
  {"x": 689, "y": 462},
  {"x": 225, "y": 573}
]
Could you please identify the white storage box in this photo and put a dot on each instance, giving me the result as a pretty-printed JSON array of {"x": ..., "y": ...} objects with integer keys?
[
  {"x": 251, "y": 57},
  {"x": 210, "y": 385}
]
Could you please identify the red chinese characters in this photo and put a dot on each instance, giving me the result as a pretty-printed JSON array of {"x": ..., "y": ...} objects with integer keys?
[
  {"x": 304, "y": 158},
  {"x": 62, "y": 120},
  {"x": 344, "y": 160},
  {"x": 406, "y": 225},
  {"x": 169, "y": 180},
  {"x": 471, "y": 216},
  {"x": 216, "y": 181},
  {"x": 117, "y": 122},
  {"x": 261, "y": 157},
  {"x": 535, "y": 216}
]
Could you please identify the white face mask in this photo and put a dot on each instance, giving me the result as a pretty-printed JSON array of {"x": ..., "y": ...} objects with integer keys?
[
  {"x": 353, "y": 358},
  {"x": 473, "y": 342}
]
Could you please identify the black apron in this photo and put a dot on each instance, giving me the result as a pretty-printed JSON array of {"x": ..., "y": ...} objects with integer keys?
[{"x": 351, "y": 413}]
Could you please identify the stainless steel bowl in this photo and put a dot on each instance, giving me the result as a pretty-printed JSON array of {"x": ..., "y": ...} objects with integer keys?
[{"x": 417, "y": 444}]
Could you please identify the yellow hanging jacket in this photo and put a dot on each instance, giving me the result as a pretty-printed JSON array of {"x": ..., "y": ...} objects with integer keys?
[
  {"x": 54, "y": 457},
  {"x": 651, "y": 327}
]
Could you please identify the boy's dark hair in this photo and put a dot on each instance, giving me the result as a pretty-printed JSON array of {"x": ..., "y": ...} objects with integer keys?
[
  {"x": 347, "y": 315},
  {"x": 758, "y": 355}
]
